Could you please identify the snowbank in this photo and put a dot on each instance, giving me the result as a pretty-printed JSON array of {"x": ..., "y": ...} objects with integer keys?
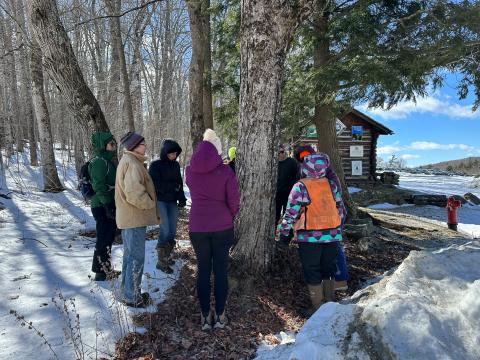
[
  {"x": 440, "y": 184},
  {"x": 386, "y": 206},
  {"x": 42, "y": 257},
  {"x": 427, "y": 309}
]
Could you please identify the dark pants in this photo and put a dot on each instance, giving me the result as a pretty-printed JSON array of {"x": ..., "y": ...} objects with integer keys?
[
  {"x": 106, "y": 229},
  {"x": 211, "y": 249},
  {"x": 281, "y": 200},
  {"x": 318, "y": 261}
]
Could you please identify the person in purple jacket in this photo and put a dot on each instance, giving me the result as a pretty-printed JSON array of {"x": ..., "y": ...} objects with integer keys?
[{"x": 215, "y": 202}]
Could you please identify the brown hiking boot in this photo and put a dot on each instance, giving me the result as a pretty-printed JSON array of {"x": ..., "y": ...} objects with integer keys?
[
  {"x": 341, "y": 285},
  {"x": 329, "y": 289},
  {"x": 170, "y": 247},
  {"x": 162, "y": 262},
  {"x": 316, "y": 295}
]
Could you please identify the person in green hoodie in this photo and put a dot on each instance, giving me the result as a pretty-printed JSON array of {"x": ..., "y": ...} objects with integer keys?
[{"x": 102, "y": 173}]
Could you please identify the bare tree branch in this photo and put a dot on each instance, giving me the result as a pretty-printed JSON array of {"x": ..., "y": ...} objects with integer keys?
[{"x": 114, "y": 16}]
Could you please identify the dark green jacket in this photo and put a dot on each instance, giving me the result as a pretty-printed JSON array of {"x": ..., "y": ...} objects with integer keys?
[{"x": 102, "y": 171}]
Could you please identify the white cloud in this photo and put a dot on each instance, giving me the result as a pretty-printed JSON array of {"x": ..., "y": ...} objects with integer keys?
[
  {"x": 409, "y": 156},
  {"x": 388, "y": 149},
  {"x": 432, "y": 104},
  {"x": 427, "y": 145}
]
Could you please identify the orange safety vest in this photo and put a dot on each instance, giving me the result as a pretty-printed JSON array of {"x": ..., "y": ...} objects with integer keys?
[{"x": 322, "y": 212}]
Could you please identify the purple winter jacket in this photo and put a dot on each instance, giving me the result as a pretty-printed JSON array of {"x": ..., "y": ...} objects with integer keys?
[{"x": 213, "y": 189}]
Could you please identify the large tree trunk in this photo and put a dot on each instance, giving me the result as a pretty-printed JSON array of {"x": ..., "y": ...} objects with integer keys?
[
  {"x": 51, "y": 181},
  {"x": 266, "y": 32},
  {"x": 324, "y": 117},
  {"x": 197, "y": 125},
  {"x": 25, "y": 81},
  {"x": 207, "y": 66},
  {"x": 61, "y": 64},
  {"x": 7, "y": 135},
  {"x": 113, "y": 7},
  {"x": 14, "y": 108}
]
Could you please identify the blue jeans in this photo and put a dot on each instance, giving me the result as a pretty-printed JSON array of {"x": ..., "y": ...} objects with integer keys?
[
  {"x": 342, "y": 271},
  {"x": 133, "y": 261},
  {"x": 168, "y": 227}
]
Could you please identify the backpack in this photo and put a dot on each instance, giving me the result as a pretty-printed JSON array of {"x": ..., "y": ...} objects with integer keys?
[{"x": 85, "y": 181}]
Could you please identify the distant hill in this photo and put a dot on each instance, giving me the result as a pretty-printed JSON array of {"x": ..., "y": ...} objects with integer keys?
[{"x": 470, "y": 165}]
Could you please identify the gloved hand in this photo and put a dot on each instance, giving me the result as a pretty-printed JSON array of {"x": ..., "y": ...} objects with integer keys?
[
  {"x": 182, "y": 203},
  {"x": 110, "y": 210}
]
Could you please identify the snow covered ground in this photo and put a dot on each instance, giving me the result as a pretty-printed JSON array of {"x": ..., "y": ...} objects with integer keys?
[
  {"x": 428, "y": 308},
  {"x": 43, "y": 258},
  {"x": 440, "y": 184}
]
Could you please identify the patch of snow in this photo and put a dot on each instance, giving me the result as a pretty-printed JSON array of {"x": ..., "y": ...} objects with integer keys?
[
  {"x": 439, "y": 184},
  {"x": 427, "y": 309},
  {"x": 386, "y": 206},
  {"x": 352, "y": 189},
  {"x": 43, "y": 258}
]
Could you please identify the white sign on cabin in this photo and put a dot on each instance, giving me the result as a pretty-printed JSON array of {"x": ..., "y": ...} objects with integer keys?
[
  {"x": 356, "y": 151},
  {"x": 356, "y": 168},
  {"x": 339, "y": 127}
]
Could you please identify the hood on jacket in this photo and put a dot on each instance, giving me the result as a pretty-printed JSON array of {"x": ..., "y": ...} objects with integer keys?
[
  {"x": 100, "y": 140},
  {"x": 169, "y": 146},
  {"x": 315, "y": 166},
  {"x": 205, "y": 158}
]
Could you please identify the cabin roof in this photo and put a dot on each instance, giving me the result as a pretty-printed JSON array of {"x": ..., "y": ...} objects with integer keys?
[{"x": 381, "y": 129}]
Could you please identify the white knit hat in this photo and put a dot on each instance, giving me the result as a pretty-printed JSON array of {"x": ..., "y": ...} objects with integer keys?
[{"x": 212, "y": 137}]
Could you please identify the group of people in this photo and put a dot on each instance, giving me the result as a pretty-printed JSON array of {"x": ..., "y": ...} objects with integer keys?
[{"x": 130, "y": 197}]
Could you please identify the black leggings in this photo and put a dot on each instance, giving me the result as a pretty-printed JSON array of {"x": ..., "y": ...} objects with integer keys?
[
  {"x": 318, "y": 261},
  {"x": 106, "y": 229},
  {"x": 211, "y": 249}
]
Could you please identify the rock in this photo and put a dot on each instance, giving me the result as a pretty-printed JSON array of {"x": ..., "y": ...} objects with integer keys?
[
  {"x": 427, "y": 199},
  {"x": 389, "y": 177},
  {"x": 472, "y": 198},
  {"x": 356, "y": 231},
  {"x": 370, "y": 244}
]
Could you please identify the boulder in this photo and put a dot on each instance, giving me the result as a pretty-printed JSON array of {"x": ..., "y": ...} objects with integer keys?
[
  {"x": 358, "y": 228},
  {"x": 427, "y": 199},
  {"x": 389, "y": 177},
  {"x": 370, "y": 244},
  {"x": 472, "y": 198}
]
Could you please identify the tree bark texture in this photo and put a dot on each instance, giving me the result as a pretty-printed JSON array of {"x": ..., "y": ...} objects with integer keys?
[
  {"x": 207, "y": 66},
  {"x": 7, "y": 135},
  {"x": 324, "y": 117},
  {"x": 11, "y": 72},
  {"x": 51, "y": 181},
  {"x": 25, "y": 80},
  {"x": 61, "y": 64},
  {"x": 197, "y": 125},
  {"x": 113, "y": 7},
  {"x": 266, "y": 33}
]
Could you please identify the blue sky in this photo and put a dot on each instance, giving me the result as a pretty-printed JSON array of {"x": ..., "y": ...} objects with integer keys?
[{"x": 437, "y": 128}]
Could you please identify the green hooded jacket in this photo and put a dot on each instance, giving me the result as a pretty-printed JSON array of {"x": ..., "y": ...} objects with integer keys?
[{"x": 102, "y": 171}]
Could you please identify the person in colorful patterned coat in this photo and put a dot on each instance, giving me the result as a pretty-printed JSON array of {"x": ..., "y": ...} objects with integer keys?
[
  {"x": 341, "y": 275},
  {"x": 316, "y": 212}
]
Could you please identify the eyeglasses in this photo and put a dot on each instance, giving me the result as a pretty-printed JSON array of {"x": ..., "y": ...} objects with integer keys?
[{"x": 281, "y": 152}]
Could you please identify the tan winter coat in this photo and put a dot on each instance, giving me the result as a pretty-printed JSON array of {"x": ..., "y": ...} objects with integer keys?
[{"x": 134, "y": 193}]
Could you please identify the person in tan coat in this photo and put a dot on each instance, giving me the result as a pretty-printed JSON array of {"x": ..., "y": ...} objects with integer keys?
[{"x": 136, "y": 209}]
